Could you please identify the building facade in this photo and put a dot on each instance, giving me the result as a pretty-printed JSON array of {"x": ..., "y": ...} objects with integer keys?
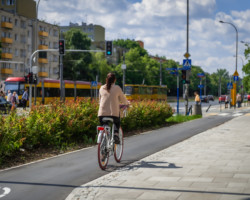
[
  {"x": 95, "y": 32},
  {"x": 21, "y": 35}
]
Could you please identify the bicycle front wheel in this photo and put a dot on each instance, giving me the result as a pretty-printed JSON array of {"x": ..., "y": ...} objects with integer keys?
[
  {"x": 103, "y": 155},
  {"x": 118, "y": 148}
]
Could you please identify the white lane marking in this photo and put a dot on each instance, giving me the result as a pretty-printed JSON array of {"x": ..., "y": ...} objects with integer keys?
[
  {"x": 224, "y": 114},
  {"x": 6, "y": 191},
  {"x": 237, "y": 114}
]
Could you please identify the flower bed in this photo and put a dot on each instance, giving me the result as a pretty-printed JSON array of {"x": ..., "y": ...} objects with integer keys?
[{"x": 60, "y": 125}]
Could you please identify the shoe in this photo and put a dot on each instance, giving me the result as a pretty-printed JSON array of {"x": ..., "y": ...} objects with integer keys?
[{"x": 116, "y": 138}]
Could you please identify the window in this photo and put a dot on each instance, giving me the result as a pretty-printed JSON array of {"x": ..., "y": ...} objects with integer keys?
[
  {"x": 23, "y": 24},
  {"x": 55, "y": 33},
  {"x": 21, "y": 68},
  {"x": 55, "y": 44},
  {"x": 23, "y": 39},
  {"x": 69, "y": 92},
  {"x": 16, "y": 22},
  {"x": 55, "y": 58},
  {"x": 28, "y": 33},
  {"x": 55, "y": 70},
  {"x": 83, "y": 93},
  {"x": 23, "y": 53},
  {"x": 16, "y": 52},
  {"x": 10, "y": 2},
  {"x": 29, "y": 48},
  {"x": 16, "y": 67},
  {"x": 3, "y": 2},
  {"x": 4, "y": 18},
  {"x": 16, "y": 37}
]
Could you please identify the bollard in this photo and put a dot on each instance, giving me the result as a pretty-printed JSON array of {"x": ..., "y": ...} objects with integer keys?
[{"x": 197, "y": 110}]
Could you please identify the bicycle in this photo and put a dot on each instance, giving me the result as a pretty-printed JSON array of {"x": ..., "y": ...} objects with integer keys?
[{"x": 106, "y": 143}]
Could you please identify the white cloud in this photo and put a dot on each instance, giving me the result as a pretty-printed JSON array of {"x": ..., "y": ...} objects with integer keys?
[{"x": 161, "y": 24}]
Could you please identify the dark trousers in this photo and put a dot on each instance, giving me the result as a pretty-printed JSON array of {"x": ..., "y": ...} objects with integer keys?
[
  {"x": 24, "y": 102},
  {"x": 116, "y": 122}
]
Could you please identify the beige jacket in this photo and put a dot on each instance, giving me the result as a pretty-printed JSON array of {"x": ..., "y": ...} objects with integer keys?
[{"x": 110, "y": 101}]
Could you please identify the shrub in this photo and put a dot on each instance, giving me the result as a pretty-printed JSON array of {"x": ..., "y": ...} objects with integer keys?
[{"x": 62, "y": 124}]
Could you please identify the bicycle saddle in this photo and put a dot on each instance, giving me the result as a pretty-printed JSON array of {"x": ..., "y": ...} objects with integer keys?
[{"x": 107, "y": 119}]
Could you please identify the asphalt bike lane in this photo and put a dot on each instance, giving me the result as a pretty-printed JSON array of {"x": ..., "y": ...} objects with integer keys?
[{"x": 56, "y": 177}]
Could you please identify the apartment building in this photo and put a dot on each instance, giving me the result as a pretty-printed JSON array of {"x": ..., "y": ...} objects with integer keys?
[
  {"x": 21, "y": 35},
  {"x": 95, "y": 32}
]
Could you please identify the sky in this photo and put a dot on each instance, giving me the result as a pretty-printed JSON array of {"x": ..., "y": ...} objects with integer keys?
[{"x": 161, "y": 25}]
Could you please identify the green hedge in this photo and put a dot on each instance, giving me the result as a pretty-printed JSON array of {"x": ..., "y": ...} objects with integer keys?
[{"x": 62, "y": 124}]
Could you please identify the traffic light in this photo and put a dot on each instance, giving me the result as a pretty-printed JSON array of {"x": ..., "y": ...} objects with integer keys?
[
  {"x": 109, "y": 48},
  {"x": 26, "y": 79},
  {"x": 61, "y": 47},
  {"x": 184, "y": 76},
  {"x": 30, "y": 77}
]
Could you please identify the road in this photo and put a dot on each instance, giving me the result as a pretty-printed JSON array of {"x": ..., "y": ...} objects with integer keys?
[{"x": 56, "y": 177}]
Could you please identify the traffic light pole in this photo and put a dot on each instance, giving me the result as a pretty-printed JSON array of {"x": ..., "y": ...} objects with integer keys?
[{"x": 187, "y": 51}]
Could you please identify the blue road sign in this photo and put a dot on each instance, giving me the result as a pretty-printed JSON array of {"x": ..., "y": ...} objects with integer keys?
[
  {"x": 187, "y": 64},
  {"x": 175, "y": 73},
  {"x": 236, "y": 78},
  {"x": 200, "y": 86},
  {"x": 229, "y": 85},
  {"x": 171, "y": 69},
  {"x": 200, "y": 75},
  {"x": 93, "y": 83}
]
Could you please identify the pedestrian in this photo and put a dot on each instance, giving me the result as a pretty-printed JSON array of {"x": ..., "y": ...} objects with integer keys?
[
  {"x": 197, "y": 98},
  {"x": 25, "y": 98},
  {"x": 238, "y": 99},
  {"x": 2, "y": 94},
  {"x": 9, "y": 96},
  {"x": 226, "y": 101},
  {"x": 17, "y": 99},
  {"x": 13, "y": 101}
]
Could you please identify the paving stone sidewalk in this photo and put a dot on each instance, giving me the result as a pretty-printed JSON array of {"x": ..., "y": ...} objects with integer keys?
[{"x": 213, "y": 165}]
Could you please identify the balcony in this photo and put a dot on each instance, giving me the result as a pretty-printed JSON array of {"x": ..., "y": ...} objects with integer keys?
[
  {"x": 7, "y": 25},
  {"x": 43, "y": 34},
  {"x": 43, "y": 47},
  {"x": 42, "y": 74},
  {"x": 6, "y": 71},
  {"x": 6, "y": 40},
  {"x": 6, "y": 55},
  {"x": 43, "y": 60}
]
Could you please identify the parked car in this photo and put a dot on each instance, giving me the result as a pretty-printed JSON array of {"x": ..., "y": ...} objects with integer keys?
[
  {"x": 210, "y": 97},
  {"x": 222, "y": 98},
  {"x": 204, "y": 99},
  {"x": 4, "y": 106}
]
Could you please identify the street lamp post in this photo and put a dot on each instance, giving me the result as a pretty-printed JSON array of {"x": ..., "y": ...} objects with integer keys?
[{"x": 236, "y": 58}]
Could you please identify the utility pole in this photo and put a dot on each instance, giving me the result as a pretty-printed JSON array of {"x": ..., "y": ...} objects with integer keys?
[
  {"x": 187, "y": 52},
  {"x": 160, "y": 72},
  {"x": 61, "y": 72}
]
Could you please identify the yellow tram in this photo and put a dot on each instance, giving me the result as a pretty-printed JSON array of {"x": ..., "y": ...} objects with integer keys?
[
  {"x": 149, "y": 92},
  {"x": 47, "y": 90}
]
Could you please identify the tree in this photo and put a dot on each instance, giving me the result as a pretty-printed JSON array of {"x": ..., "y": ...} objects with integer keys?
[
  {"x": 76, "y": 65},
  {"x": 246, "y": 70},
  {"x": 130, "y": 44},
  {"x": 219, "y": 81},
  {"x": 99, "y": 66}
]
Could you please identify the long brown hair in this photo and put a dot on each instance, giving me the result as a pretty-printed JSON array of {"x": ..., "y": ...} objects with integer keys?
[{"x": 110, "y": 80}]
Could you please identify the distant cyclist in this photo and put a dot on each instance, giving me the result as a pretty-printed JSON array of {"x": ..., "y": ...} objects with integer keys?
[{"x": 110, "y": 96}]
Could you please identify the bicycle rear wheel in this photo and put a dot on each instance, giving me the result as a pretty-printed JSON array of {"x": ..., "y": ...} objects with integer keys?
[
  {"x": 103, "y": 155},
  {"x": 118, "y": 148}
]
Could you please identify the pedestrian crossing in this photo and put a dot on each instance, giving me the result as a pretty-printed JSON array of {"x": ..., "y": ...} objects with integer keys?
[{"x": 233, "y": 114}]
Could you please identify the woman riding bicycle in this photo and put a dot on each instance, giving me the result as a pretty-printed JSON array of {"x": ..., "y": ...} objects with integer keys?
[{"x": 110, "y": 96}]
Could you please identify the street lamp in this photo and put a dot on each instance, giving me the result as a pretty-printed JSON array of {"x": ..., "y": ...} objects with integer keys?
[
  {"x": 234, "y": 86},
  {"x": 236, "y": 39}
]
